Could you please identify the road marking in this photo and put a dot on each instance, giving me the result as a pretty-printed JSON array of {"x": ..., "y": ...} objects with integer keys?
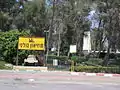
[
  {"x": 90, "y": 74},
  {"x": 31, "y": 80},
  {"x": 75, "y": 73},
  {"x": 108, "y": 75}
]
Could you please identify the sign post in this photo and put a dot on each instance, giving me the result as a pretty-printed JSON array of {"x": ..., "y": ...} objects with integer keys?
[
  {"x": 30, "y": 43},
  {"x": 73, "y": 49},
  {"x": 17, "y": 58}
]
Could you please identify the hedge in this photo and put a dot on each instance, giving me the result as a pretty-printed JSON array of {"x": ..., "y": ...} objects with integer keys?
[
  {"x": 86, "y": 61},
  {"x": 78, "y": 59},
  {"x": 96, "y": 69},
  {"x": 62, "y": 58},
  {"x": 94, "y": 62}
]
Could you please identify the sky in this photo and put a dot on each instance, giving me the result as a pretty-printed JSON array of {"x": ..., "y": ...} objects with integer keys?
[{"x": 94, "y": 22}]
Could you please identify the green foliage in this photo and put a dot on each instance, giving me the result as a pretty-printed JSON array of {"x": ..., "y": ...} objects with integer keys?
[
  {"x": 68, "y": 19},
  {"x": 78, "y": 60},
  {"x": 74, "y": 58},
  {"x": 81, "y": 59},
  {"x": 94, "y": 61},
  {"x": 97, "y": 69},
  {"x": 118, "y": 61},
  {"x": 107, "y": 14},
  {"x": 8, "y": 43},
  {"x": 3, "y": 21},
  {"x": 6, "y": 11},
  {"x": 87, "y": 61},
  {"x": 5, "y": 5},
  {"x": 62, "y": 58},
  {"x": 35, "y": 17}
]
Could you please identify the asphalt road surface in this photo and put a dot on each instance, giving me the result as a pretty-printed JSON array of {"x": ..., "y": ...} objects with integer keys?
[{"x": 10, "y": 80}]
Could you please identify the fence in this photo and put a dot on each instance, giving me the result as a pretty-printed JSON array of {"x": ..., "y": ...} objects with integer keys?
[{"x": 55, "y": 64}]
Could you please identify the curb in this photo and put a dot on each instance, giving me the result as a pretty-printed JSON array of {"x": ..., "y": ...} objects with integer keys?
[
  {"x": 17, "y": 70},
  {"x": 72, "y": 73},
  {"x": 94, "y": 74}
]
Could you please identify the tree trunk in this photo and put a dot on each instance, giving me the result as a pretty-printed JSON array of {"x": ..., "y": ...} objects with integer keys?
[
  {"x": 50, "y": 31},
  {"x": 80, "y": 44},
  {"x": 59, "y": 43},
  {"x": 106, "y": 59}
]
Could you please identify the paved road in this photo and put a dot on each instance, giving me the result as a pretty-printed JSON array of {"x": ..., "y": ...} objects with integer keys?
[
  {"x": 33, "y": 85},
  {"x": 55, "y": 81}
]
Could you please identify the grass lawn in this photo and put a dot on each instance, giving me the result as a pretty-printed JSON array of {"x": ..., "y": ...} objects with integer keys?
[{"x": 3, "y": 65}]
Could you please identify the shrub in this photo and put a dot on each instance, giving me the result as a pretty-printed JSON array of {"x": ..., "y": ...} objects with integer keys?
[
  {"x": 8, "y": 45},
  {"x": 85, "y": 61},
  {"x": 74, "y": 58},
  {"x": 97, "y": 69},
  {"x": 81, "y": 59},
  {"x": 118, "y": 61},
  {"x": 94, "y": 61},
  {"x": 78, "y": 59},
  {"x": 62, "y": 58}
]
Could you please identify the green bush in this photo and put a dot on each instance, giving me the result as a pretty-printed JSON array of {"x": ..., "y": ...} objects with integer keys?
[
  {"x": 74, "y": 58},
  {"x": 2, "y": 65},
  {"x": 78, "y": 59},
  {"x": 81, "y": 59},
  {"x": 97, "y": 69},
  {"x": 94, "y": 61},
  {"x": 8, "y": 45},
  {"x": 85, "y": 61}
]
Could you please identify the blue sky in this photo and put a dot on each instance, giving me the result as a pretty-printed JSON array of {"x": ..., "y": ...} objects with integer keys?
[
  {"x": 91, "y": 18},
  {"x": 49, "y": 2}
]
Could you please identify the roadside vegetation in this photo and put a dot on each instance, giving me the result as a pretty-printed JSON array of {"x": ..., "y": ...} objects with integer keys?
[
  {"x": 5, "y": 66},
  {"x": 63, "y": 23}
]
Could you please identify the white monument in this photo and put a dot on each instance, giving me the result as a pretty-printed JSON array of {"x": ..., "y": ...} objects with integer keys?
[{"x": 87, "y": 42}]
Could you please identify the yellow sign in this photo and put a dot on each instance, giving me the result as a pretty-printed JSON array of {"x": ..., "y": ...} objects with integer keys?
[{"x": 31, "y": 43}]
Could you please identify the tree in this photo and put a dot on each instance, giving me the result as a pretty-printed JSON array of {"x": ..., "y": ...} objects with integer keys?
[
  {"x": 6, "y": 5},
  {"x": 108, "y": 11},
  {"x": 9, "y": 11},
  {"x": 74, "y": 23},
  {"x": 80, "y": 22},
  {"x": 35, "y": 17},
  {"x": 8, "y": 43}
]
